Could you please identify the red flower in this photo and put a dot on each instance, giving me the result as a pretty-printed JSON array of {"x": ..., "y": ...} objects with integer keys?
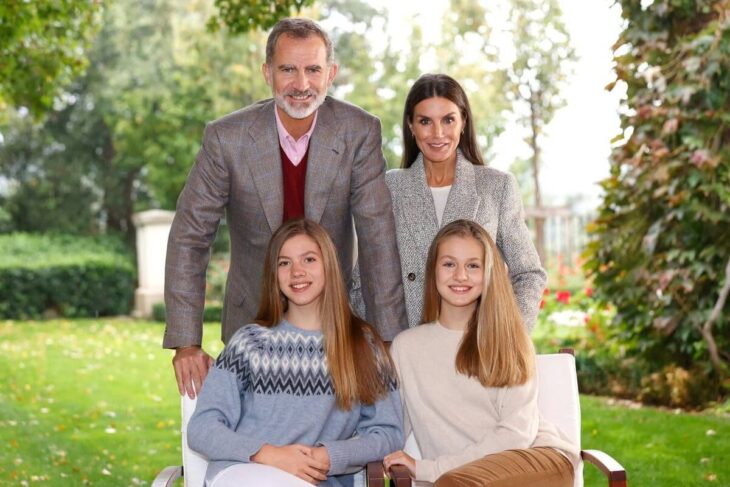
[
  {"x": 589, "y": 292},
  {"x": 563, "y": 297},
  {"x": 546, "y": 292},
  {"x": 542, "y": 303}
]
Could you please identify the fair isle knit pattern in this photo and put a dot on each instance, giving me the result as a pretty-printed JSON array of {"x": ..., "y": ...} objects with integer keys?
[
  {"x": 272, "y": 386},
  {"x": 276, "y": 361}
]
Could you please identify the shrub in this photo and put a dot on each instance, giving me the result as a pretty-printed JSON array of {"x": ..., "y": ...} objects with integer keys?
[
  {"x": 47, "y": 275},
  {"x": 660, "y": 241},
  {"x": 606, "y": 362}
]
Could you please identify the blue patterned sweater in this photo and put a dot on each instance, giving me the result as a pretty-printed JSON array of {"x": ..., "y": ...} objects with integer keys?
[{"x": 272, "y": 385}]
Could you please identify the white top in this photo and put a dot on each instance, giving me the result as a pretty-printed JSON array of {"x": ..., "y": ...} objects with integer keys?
[
  {"x": 455, "y": 419},
  {"x": 440, "y": 195}
]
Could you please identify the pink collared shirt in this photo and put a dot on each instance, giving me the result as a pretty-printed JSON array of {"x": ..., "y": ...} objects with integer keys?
[{"x": 294, "y": 149}]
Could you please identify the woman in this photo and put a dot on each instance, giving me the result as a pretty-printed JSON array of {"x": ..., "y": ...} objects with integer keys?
[
  {"x": 443, "y": 178},
  {"x": 467, "y": 376},
  {"x": 288, "y": 393}
]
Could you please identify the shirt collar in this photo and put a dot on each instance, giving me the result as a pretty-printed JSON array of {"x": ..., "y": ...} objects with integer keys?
[{"x": 285, "y": 136}]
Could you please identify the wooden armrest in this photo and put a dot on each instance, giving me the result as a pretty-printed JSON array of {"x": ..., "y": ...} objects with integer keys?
[
  {"x": 399, "y": 476},
  {"x": 614, "y": 472},
  {"x": 167, "y": 477},
  {"x": 375, "y": 474}
]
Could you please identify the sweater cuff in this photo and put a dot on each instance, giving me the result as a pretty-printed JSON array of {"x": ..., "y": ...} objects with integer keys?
[
  {"x": 338, "y": 457},
  {"x": 426, "y": 470}
]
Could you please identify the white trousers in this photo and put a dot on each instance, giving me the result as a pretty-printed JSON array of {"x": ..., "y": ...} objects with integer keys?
[{"x": 254, "y": 475}]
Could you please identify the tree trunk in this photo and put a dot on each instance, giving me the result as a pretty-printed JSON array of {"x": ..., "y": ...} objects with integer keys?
[{"x": 534, "y": 132}]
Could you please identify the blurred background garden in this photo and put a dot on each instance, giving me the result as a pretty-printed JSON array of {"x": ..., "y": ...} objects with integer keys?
[{"x": 626, "y": 190}]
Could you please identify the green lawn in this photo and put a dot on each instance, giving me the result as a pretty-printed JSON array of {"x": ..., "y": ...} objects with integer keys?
[{"x": 93, "y": 402}]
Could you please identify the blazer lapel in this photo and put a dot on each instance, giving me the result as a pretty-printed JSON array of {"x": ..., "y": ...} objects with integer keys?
[
  {"x": 323, "y": 162},
  {"x": 266, "y": 165},
  {"x": 419, "y": 212},
  {"x": 464, "y": 200}
]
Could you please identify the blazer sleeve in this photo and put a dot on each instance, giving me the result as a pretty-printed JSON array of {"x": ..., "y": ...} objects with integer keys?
[
  {"x": 372, "y": 209},
  {"x": 199, "y": 211},
  {"x": 515, "y": 428},
  {"x": 515, "y": 242}
]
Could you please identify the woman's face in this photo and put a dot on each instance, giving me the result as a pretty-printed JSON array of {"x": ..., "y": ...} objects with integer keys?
[
  {"x": 459, "y": 271},
  {"x": 300, "y": 271},
  {"x": 436, "y": 125}
]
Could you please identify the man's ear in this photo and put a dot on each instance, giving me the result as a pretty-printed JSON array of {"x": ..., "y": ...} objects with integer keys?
[
  {"x": 266, "y": 71},
  {"x": 332, "y": 73}
]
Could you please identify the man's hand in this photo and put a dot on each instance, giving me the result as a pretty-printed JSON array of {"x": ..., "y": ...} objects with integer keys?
[
  {"x": 400, "y": 458},
  {"x": 298, "y": 460},
  {"x": 191, "y": 366}
]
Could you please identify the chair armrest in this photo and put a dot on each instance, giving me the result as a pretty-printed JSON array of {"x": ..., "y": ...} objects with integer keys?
[
  {"x": 399, "y": 476},
  {"x": 167, "y": 477},
  {"x": 614, "y": 471},
  {"x": 375, "y": 474}
]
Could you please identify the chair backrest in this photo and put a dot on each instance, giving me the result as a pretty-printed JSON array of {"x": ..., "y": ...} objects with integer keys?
[
  {"x": 557, "y": 397},
  {"x": 194, "y": 464}
]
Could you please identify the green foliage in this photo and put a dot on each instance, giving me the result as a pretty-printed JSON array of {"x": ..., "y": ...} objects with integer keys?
[
  {"x": 536, "y": 78},
  {"x": 241, "y": 17},
  {"x": 660, "y": 241},
  {"x": 127, "y": 131},
  {"x": 43, "y": 45},
  {"x": 606, "y": 365},
  {"x": 62, "y": 275}
]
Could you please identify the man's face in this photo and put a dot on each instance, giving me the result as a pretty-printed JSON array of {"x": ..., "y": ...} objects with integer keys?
[{"x": 299, "y": 75}]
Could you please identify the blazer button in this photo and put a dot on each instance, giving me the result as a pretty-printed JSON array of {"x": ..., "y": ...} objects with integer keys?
[{"x": 411, "y": 277}]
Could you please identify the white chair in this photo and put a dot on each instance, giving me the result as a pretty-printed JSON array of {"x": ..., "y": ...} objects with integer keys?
[
  {"x": 194, "y": 464},
  {"x": 558, "y": 402},
  {"x": 192, "y": 471}
]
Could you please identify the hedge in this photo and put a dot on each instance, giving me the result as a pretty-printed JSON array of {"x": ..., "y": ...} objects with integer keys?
[{"x": 61, "y": 275}]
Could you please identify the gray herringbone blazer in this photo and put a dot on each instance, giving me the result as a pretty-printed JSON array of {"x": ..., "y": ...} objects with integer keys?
[
  {"x": 238, "y": 170},
  {"x": 479, "y": 193}
]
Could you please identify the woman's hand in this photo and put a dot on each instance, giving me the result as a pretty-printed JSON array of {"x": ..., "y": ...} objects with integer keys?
[
  {"x": 400, "y": 458},
  {"x": 298, "y": 460}
]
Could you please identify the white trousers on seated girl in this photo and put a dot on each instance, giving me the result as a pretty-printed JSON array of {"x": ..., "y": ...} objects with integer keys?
[{"x": 254, "y": 475}]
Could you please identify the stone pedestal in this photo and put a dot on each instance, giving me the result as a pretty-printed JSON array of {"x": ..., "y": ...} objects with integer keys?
[{"x": 153, "y": 228}]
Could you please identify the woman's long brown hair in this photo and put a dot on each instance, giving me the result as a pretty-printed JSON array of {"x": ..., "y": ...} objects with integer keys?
[
  {"x": 496, "y": 348},
  {"x": 442, "y": 86},
  {"x": 358, "y": 363}
]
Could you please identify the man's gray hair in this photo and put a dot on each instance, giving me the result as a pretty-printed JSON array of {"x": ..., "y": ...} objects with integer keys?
[{"x": 298, "y": 28}]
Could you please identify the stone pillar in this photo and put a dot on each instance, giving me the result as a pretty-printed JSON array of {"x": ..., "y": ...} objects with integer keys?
[{"x": 153, "y": 228}]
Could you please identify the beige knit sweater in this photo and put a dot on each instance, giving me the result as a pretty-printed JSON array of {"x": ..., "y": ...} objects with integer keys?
[{"x": 454, "y": 418}]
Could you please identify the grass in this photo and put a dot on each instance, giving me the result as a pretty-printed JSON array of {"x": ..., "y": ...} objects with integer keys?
[{"x": 93, "y": 402}]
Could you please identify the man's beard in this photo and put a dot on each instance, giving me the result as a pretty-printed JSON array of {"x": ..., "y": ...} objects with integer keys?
[{"x": 302, "y": 111}]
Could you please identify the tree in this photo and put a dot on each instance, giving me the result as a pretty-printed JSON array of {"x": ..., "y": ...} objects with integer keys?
[
  {"x": 242, "y": 17},
  {"x": 659, "y": 245},
  {"x": 43, "y": 46},
  {"x": 542, "y": 61},
  {"x": 123, "y": 136}
]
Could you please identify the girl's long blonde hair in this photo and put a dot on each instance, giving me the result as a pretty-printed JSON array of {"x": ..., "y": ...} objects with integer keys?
[
  {"x": 496, "y": 348},
  {"x": 359, "y": 365}
]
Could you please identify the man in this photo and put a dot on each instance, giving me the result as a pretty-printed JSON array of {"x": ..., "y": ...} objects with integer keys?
[{"x": 301, "y": 154}]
